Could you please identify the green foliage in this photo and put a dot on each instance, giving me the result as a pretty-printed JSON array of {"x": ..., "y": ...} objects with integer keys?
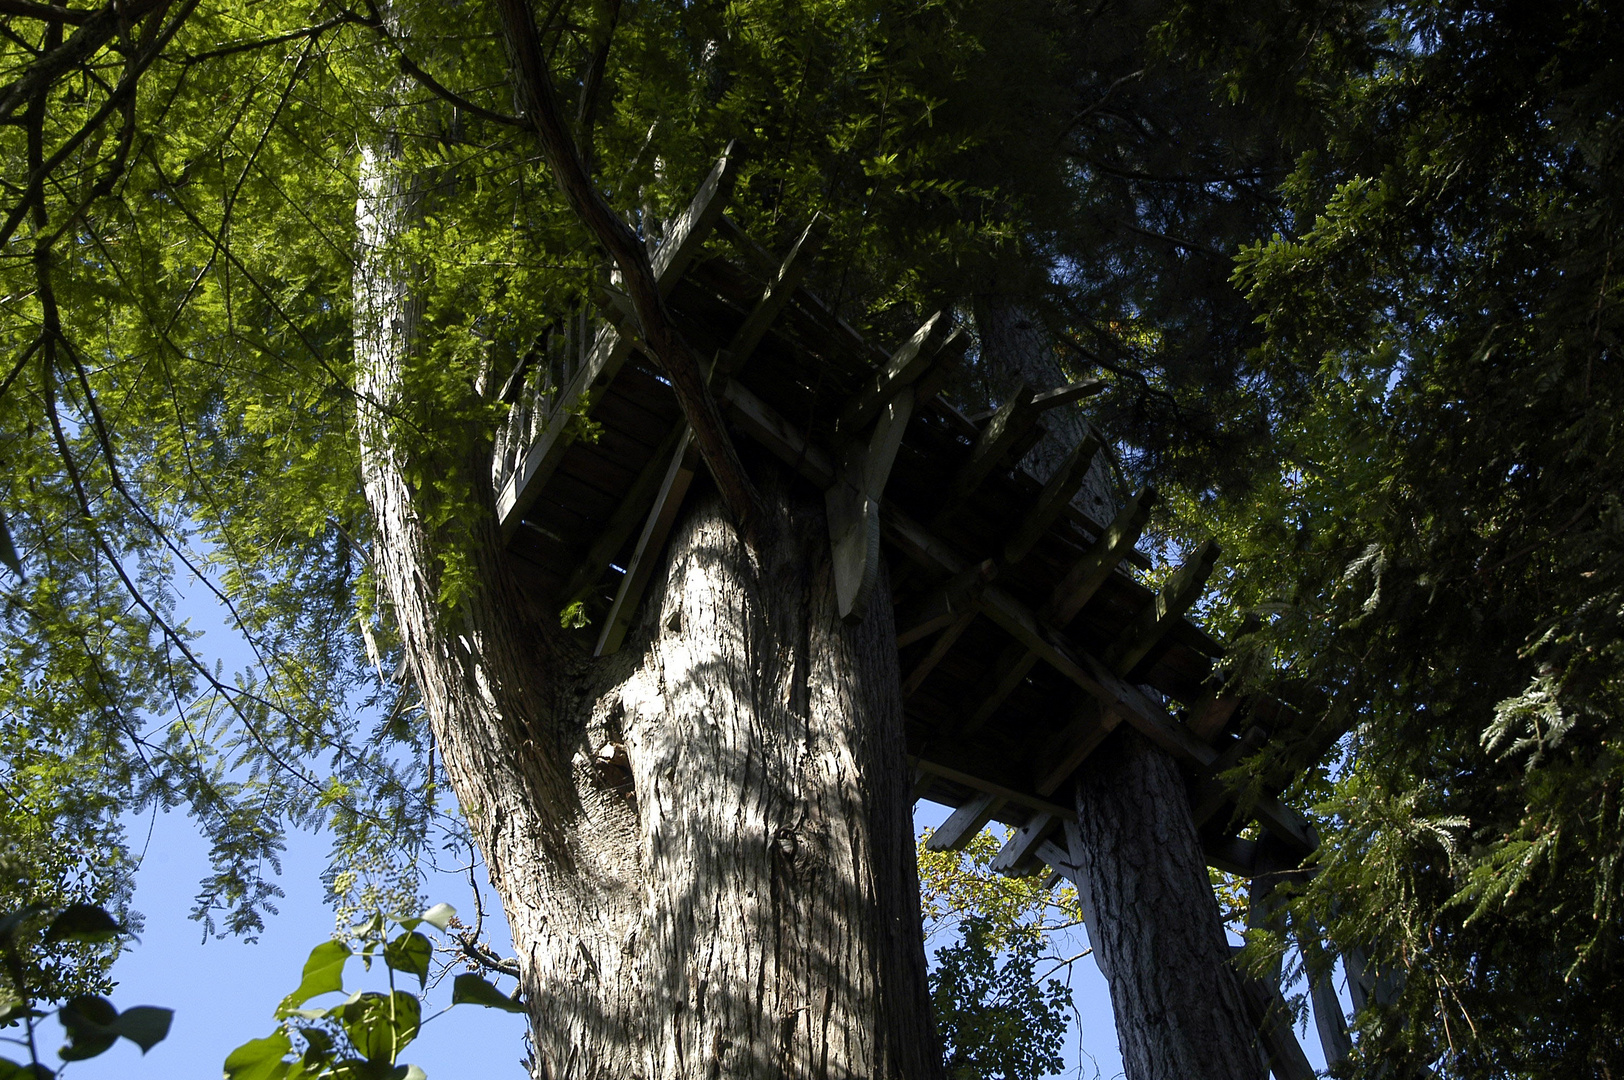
[
  {"x": 92, "y": 1022},
  {"x": 361, "y": 1037},
  {"x": 996, "y": 1015}
]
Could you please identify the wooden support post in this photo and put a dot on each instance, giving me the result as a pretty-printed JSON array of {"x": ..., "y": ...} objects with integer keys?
[
  {"x": 1164, "y": 610},
  {"x": 1056, "y": 496},
  {"x": 678, "y": 476},
  {"x": 1021, "y": 848},
  {"x": 777, "y": 294},
  {"x": 964, "y": 823},
  {"x": 1211, "y": 794},
  {"x": 1065, "y": 395},
  {"x": 1085, "y": 578},
  {"x": 906, "y": 365},
  {"x": 1273, "y": 1017},
  {"x": 764, "y": 424},
  {"x": 538, "y": 463},
  {"x": 997, "y": 790},
  {"x": 1232, "y": 855},
  {"x": 853, "y": 507},
  {"x": 1091, "y": 722}
]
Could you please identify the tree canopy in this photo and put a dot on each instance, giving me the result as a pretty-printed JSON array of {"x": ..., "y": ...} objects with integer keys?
[{"x": 1347, "y": 270}]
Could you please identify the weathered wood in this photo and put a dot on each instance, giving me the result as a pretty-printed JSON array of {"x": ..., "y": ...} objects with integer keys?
[
  {"x": 1272, "y": 1016},
  {"x": 1056, "y": 496},
  {"x": 678, "y": 476},
  {"x": 1009, "y": 671},
  {"x": 1211, "y": 793},
  {"x": 1090, "y": 724},
  {"x": 1210, "y": 715},
  {"x": 905, "y": 366},
  {"x": 1231, "y": 854},
  {"x": 1330, "y": 1023},
  {"x": 938, "y": 652},
  {"x": 763, "y": 423},
  {"x": 853, "y": 506},
  {"x": 631, "y": 512},
  {"x": 779, "y": 289},
  {"x": 989, "y": 787},
  {"x": 1021, "y": 848},
  {"x": 1065, "y": 395},
  {"x": 1085, "y": 578},
  {"x": 964, "y": 823},
  {"x": 998, "y": 437},
  {"x": 685, "y": 236},
  {"x": 945, "y": 605},
  {"x": 1165, "y": 610}
]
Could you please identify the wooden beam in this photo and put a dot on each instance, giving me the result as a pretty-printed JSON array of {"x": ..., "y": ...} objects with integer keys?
[
  {"x": 1009, "y": 671},
  {"x": 1085, "y": 578},
  {"x": 623, "y": 523},
  {"x": 964, "y": 823},
  {"x": 1165, "y": 610},
  {"x": 1021, "y": 848},
  {"x": 1212, "y": 793},
  {"x": 1232, "y": 855},
  {"x": 946, "y": 604},
  {"x": 685, "y": 236},
  {"x": 1065, "y": 395},
  {"x": 905, "y": 366},
  {"x": 1051, "y": 503},
  {"x": 779, "y": 289},
  {"x": 938, "y": 651},
  {"x": 1090, "y": 724},
  {"x": 1013, "y": 419},
  {"x": 1272, "y": 1016},
  {"x": 678, "y": 476},
  {"x": 853, "y": 507},
  {"x": 764, "y": 424},
  {"x": 1210, "y": 715},
  {"x": 989, "y": 787}
]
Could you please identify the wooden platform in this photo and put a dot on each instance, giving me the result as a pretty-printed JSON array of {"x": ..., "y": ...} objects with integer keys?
[{"x": 1024, "y": 639}]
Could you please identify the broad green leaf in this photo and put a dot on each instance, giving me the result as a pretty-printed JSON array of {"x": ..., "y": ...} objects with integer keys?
[
  {"x": 10, "y": 1070},
  {"x": 259, "y": 1059},
  {"x": 82, "y": 922},
  {"x": 381, "y": 1025},
  {"x": 472, "y": 990},
  {"x": 439, "y": 916},
  {"x": 323, "y": 974},
  {"x": 318, "y": 1046},
  {"x": 144, "y": 1025},
  {"x": 410, "y": 952}
]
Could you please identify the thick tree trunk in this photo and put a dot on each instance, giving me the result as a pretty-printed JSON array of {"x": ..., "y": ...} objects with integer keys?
[
  {"x": 1148, "y": 903},
  {"x": 1153, "y": 920},
  {"x": 703, "y": 844}
]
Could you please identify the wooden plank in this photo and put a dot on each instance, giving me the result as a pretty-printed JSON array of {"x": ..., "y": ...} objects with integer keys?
[
  {"x": 938, "y": 651},
  {"x": 1008, "y": 794},
  {"x": 678, "y": 476},
  {"x": 1090, "y": 724},
  {"x": 853, "y": 507},
  {"x": 1051, "y": 503},
  {"x": 1272, "y": 1016},
  {"x": 943, "y": 606},
  {"x": 1021, "y": 848},
  {"x": 763, "y": 423},
  {"x": 997, "y": 438},
  {"x": 1232, "y": 855},
  {"x": 1085, "y": 578},
  {"x": 1210, "y": 715},
  {"x": 905, "y": 366},
  {"x": 779, "y": 289},
  {"x": 631, "y": 512},
  {"x": 964, "y": 823},
  {"x": 685, "y": 236},
  {"x": 1009, "y": 671},
  {"x": 1166, "y": 609},
  {"x": 1065, "y": 395}
]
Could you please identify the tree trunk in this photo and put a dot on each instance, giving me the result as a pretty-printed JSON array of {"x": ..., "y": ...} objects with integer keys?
[
  {"x": 703, "y": 843},
  {"x": 1154, "y": 922}
]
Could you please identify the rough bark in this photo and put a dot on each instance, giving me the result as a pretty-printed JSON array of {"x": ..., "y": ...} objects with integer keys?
[
  {"x": 1154, "y": 922},
  {"x": 703, "y": 844}
]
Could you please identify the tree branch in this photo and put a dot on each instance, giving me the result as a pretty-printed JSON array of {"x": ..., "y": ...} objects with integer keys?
[{"x": 540, "y": 109}]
